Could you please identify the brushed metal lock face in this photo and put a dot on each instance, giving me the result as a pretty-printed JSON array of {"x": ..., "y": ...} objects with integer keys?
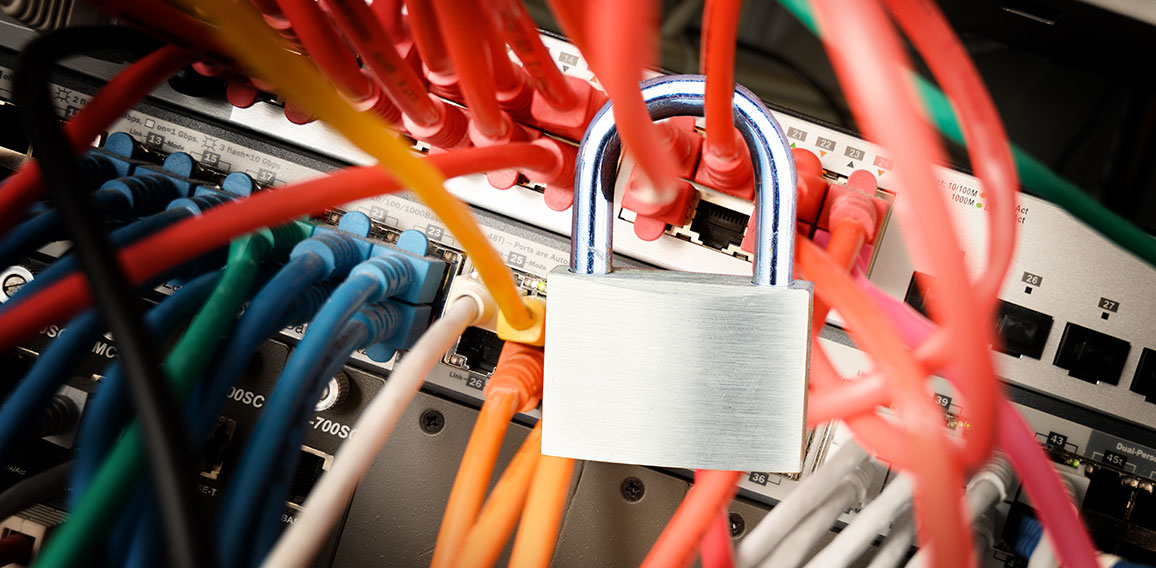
[{"x": 676, "y": 369}]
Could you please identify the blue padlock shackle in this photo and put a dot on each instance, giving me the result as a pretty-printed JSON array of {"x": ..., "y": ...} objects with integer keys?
[{"x": 683, "y": 95}]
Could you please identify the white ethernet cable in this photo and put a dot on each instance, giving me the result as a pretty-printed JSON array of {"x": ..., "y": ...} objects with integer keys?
[
  {"x": 802, "y": 540},
  {"x": 812, "y": 492},
  {"x": 891, "y": 503},
  {"x": 303, "y": 539}
]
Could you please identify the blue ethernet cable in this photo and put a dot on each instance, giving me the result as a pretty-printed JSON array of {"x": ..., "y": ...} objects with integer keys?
[
  {"x": 103, "y": 416},
  {"x": 118, "y": 199},
  {"x": 374, "y": 323},
  {"x": 315, "y": 259},
  {"x": 178, "y": 210},
  {"x": 371, "y": 281},
  {"x": 53, "y": 366},
  {"x": 206, "y": 405}
]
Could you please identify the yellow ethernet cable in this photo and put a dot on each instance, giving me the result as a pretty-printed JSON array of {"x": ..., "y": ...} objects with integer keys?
[{"x": 259, "y": 49}]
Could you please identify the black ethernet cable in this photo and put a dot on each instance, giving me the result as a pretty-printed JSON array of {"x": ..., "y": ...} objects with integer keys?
[{"x": 166, "y": 442}]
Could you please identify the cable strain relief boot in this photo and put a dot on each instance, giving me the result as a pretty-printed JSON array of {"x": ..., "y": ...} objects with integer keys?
[
  {"x": 514, "y": 132},
  {"x": 651, "y": 219},
  {"x": 394, "y": 273},
  {"x": 466, "y": 287},
  {"x": 733, "y": 175},
  {"x": 569, "y": 123},
  {"x": 447, "y": 133},
  {"x": 339, "y": 252},
  {"x": 305, "y": 305},
  {"x": 377, "y": 103},
  {"x": 863, "y": 181},
  {"x": 559, "y": 180},
  {"x": 298, "y": 115},
  {"x": 241, "y": 94},
  {"x": 683, "y": 143},
  {"x": 854, "y": 206},
  {"x": 445, "y": 85},
  {"x": 381, "y": 320},
  {"x": 97, "y": 169},
  {"x": 519, "y": 370},
  {"x": 517, "y": 101},
  {"x": 285, "y": 238}
]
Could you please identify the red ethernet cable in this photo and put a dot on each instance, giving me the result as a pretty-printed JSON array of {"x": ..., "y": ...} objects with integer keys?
[
  {"x": 938, "y": 476},
  {"x": 186, "y": 240},
  {"x": 620, "y": 48},
  {"x": 718, "y": 551},
  {"x": 512, "y": 85},
  {"x": 726, "y": 163},
  {"x": 521, "y": 33},
  {"x": 423, "y": 23},
  {"x": 375, "y": 45},
  {"x": 112, "y": 101},
  {"x": 388, "y": 14},
  {"x": 868, "y": 60},
  {"x": 327, "y": 48},
  {"x": 987, "y": 142},
  {"x": 1041, "y": 482},
  {"x": 459, "y": 20},
  {"x": 680, "y": 539}
]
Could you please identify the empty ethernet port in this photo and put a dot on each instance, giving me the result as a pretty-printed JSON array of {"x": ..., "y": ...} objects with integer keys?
[
  {"x": 213, "y": 457},
  {"x": 1091, "y": 356},
  {"x": 310, "y": 465},
  {"x": 1022, "y": 331},
  {"x": 1144, "y": 381},
  {"x": 480, "y": 349},
  {"x": 718, "y": 227},
  {"x": 915, "y": 296}
]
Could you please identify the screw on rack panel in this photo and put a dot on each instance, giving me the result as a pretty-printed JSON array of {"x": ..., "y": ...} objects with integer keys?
[
  {"x": 632, "y": 373},
  {"x": 632, "y": 489},
  {"x": 432, "y": 421}
]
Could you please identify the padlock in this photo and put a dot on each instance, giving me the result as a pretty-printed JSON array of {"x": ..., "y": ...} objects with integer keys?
[{"x": 674, "y": 369}]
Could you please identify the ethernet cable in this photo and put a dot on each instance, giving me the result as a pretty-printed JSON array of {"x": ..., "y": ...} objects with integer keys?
[
  {"x": 117, "y": 201},
  {"x": 112, "y": 484},
  {"x": 515, "y": 386},
  {"x": 1040, "y": 481},
  {"x": 326, "y": 502},
  {"x": 797, "y": 545},
  {"x": 499, "y": 516},
  {"x": 891, "y": 503},
  {"x": 893, "y": 551},
  {"x": 808, "y": 495},
  {"x": 130, "y": 234},
  {"x": 466, "y": 44},
  {"x": 256, "y": 46},
  {"x": 676, "y": 545},
  {"x": 725, "y": 161},
  {"x": 374, "y": 323},
  {"x": 618, "y": 55},
  {"x": 1034, "y": 174},
  {"x": 522, "y": 35},
  {"x": 111, "y": 102},
  {"x": 115, "y": 296},
  {"x": 717, "y": 549},
  {"x": 371, "y": 281},
  {"x": 25, "y": 314},
  {"x": 35, "y": 489},
  {"x": 542, "y": 516},
  {"x": 287, "y": 293}
]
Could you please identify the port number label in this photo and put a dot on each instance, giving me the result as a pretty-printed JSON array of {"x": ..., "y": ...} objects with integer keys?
[
  {"x": 1110, "y": 305},
  {"x": 1057, "y": 440},
  {"x": 854, "y": 153},
  {"x": 885, "y": 163},
  {"x": 796, "y": 134},
  {"x": 825, "y": 143},
  {"x": 943, "y": 401},
  {"x": 1032, "y": 279},
  {"x": 476, "y": 383},
  {"x": 1112, "y": 458},
  {"x": 154, "y": 140},
  {"x": 758, "y": 477},
  {"x": 434, "y": 232},
  {"x": 515, "y": 259}
]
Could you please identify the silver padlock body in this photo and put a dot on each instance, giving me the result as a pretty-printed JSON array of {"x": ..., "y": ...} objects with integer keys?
[{"x": 676, "y": 369}]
